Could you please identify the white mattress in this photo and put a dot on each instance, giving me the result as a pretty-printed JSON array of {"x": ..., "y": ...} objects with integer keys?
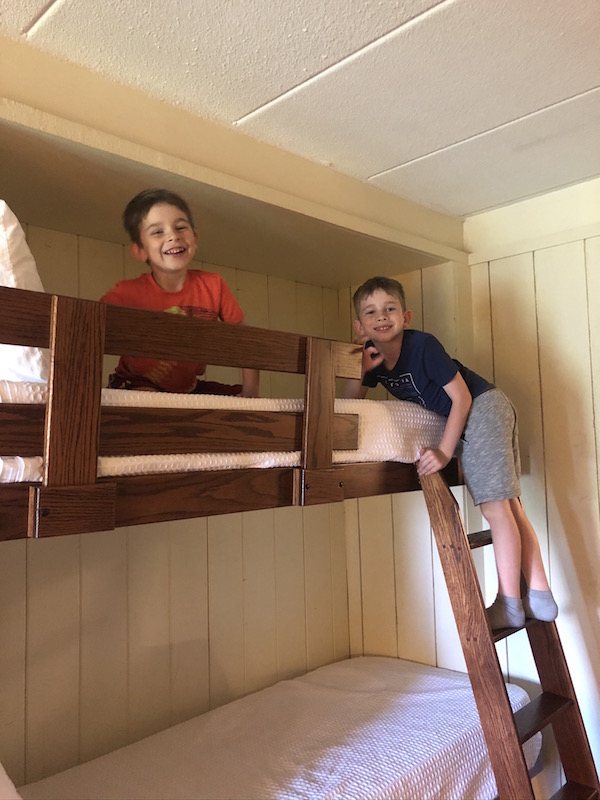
[
  {"x": 390, "y": 430},
  {"x": 369, "y": 727}
]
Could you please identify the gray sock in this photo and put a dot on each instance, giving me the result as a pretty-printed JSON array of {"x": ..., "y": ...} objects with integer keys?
[
  {"x": 506, "y": 612},
  {"x": 540, "y": 605}
]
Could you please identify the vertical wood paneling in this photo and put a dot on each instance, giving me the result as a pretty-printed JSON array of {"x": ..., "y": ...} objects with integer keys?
[
  {"x": 260, "y": 618},
  {"x": 571, "y": 466},
  {"x": 132, "y": 268},
  {"x": 188, "y": 617},
  {"x": 100, "y": 267},
  {"x": 414, "y": 578},
  {"x": 104, "y": 652},
  {"x": 290, "y": 592},
  {"x": 309, "y": 305},
  {"x": 13, "y": 582},
  {"x": 334, "y": 321},
  {"x": 592, "y": 260},
  {"x": 225, "y": 608},
  {"x": 339, "y": 581},
  {"x": 317, "y": 577},
  {"x": 53, "y": 649},
  {"x": 439, "y": 305},
  {"x": 411, "y": 282},
  {"x": 483, "y": 361},
  {"x": 464, "y": 328},
  {"x": 281, "y": 296},
  {"x": 55, "y": 256},
  {"x": 252, "y": 296},
  {"x": 149, "y": 645},
  {"x": 355, "y": 611},
  {"x": 377, "y": 575}
]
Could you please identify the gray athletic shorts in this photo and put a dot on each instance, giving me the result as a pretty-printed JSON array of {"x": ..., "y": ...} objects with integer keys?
[{"x": 489, "y": 454}]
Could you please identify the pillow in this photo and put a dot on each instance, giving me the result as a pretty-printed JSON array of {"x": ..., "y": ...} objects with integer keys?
[
  {"x": 18, "y": 269},
  {"x": 7, "y": 787}
]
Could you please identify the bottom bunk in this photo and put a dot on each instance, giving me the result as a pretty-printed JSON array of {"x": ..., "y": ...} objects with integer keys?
[{"x": 367, "y": 727}]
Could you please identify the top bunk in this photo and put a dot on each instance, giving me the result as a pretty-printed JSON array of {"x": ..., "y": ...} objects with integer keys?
[{"x": 318, "y": 449}]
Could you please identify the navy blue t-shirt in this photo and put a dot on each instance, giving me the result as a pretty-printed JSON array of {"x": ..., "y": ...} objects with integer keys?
[{"x": 421, "y": 372}]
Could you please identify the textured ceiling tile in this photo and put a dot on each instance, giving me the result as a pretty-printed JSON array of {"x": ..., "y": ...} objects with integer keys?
[
  {"x": 218, "y": 59},
  {"x": 17, "y": 17},
  {"x": 462, "y": 69},
  {"x": 550, "y": 149}
]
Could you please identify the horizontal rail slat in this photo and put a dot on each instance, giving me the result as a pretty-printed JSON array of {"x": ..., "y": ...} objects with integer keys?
[
  {"x": 157, "y": 498},
  {"x": 141, "y": 333},
  {"x": 163, "y": 431},
  {"x": 24, "y": 317}
]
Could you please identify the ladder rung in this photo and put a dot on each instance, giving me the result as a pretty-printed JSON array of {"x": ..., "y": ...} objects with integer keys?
[
  {"x": 538, "y": 713},
  {"x": 502, "y": 633},
  {"x": 575, "y": 791},
  {"x": 479, "y": 539}
]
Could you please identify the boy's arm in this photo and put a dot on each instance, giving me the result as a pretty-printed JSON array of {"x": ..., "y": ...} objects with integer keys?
[
  {"x": 354, "y": 389},
  {"x": 250, "y": 382},
  {"x": 433, "y": 459}
]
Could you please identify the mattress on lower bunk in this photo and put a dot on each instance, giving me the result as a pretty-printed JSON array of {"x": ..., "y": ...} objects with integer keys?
[
  {"x": 369, "y": 727},
  {"x": 390, "y": 430}
]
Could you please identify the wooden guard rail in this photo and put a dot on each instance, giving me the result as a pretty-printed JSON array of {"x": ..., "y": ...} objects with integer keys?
[{"x": 75, "y": 429}]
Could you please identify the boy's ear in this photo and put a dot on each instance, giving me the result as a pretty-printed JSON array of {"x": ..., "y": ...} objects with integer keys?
[
  {"x": 357, "y": 326},
  {"x": 137, "y": 251},
  {"x": 407, "y": 317}
]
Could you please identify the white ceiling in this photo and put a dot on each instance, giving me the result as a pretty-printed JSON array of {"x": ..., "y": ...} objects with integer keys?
[{"x": 460, "y": 105}]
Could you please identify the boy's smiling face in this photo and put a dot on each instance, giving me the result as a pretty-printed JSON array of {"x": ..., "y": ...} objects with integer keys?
[
  {"x": 168, "y": 243},
  {"x": 382, "y": 317}
]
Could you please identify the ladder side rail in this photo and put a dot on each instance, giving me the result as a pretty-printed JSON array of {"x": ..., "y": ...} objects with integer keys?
[
  {"x": 495, "y": 711},
  {"x": 568, "y": 728}
]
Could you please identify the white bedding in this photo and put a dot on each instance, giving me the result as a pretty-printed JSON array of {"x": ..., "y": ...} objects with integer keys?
[
  {"x": 369, "y": 727},
  {"x": 388, "y": 431}
]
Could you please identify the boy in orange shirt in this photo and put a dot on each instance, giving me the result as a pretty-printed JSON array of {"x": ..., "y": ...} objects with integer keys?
[{"x": 162, "y": 233}]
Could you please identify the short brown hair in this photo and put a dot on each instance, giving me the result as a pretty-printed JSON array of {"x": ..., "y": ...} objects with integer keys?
[{"x": 373, "y": 285}]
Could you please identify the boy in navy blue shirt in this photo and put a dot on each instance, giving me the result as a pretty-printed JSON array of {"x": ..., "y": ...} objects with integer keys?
[{"x": 481, "y": 427}]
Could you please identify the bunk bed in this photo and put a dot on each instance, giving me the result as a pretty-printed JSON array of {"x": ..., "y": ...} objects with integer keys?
[
  {"x": 81, "y": 439},
  {"x": 74, "y": 442}
]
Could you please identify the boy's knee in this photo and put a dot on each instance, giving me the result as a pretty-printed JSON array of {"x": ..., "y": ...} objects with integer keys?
[{"x": 495, "y": 510}]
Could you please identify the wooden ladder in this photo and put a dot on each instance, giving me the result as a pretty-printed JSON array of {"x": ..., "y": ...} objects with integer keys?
[{"x": 505, "y": 731}]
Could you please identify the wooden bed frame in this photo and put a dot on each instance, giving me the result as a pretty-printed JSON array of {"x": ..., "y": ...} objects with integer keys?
[{"x": 72, "y": 429}]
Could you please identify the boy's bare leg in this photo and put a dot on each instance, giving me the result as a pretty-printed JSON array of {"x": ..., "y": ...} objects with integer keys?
[
  {"x": 507, "y": 609},
  {"x": 539, "y": 602},
  {"x": 506, "y": 538},
  {"x": 531, "y": 556}
]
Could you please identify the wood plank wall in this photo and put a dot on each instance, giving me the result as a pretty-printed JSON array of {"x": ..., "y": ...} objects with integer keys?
[{"x": 537, "y": 327}]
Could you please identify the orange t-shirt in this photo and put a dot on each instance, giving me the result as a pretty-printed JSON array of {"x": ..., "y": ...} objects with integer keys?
[{"x": 204, "y": 295}]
